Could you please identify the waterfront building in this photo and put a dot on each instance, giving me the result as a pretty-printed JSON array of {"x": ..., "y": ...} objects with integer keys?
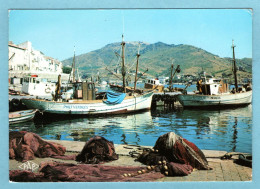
[{"x": 26, "y": 61}]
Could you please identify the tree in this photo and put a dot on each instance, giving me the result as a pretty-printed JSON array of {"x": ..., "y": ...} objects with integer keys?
[{"x": 66, "y": 70}]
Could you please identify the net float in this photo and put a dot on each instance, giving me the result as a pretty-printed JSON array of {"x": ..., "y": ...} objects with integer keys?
[{"x": 164, "y": 162}]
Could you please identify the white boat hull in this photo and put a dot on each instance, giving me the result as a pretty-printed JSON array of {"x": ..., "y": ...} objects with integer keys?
[
  {"x": 197, "y": 100},
  {"x": 91, "y": 107},
  {"x": 21, "y": 116}
]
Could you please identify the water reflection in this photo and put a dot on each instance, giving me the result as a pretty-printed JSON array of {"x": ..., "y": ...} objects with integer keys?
[
  {"x": 122, "y": 127},
  {"x": 234, "y": 135},
  {"x": 228, "y": 130}
]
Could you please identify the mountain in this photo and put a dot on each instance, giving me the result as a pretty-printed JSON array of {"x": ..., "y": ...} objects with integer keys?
[{"x": 158, "y": 57}]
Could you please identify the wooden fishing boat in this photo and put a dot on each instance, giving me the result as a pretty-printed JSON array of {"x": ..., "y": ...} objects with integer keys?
[
  {"x": 214, "y": 93},
  {"x": 21, "y": 116},
  {"x": 218, "y": 100},
  {"x": 85, "y": 101},
  {"x": 92, "y": 107}
]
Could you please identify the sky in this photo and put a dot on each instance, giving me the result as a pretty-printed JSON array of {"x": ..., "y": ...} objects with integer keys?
[{"x": 56, "y": 32}]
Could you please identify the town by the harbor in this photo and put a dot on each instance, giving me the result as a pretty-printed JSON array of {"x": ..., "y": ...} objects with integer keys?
[{"x": 154, "y": 112}]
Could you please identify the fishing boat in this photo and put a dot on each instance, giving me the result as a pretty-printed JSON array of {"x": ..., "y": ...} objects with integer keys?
[
  {"x": 154, "y": 84},
  {"x": 21, "y": 116},
  {"x": 92, "y": 107},
  {"x": 85, "y": 102},
  {"x": 214, "y": 92},
  {"x": 37, "y": 86}
]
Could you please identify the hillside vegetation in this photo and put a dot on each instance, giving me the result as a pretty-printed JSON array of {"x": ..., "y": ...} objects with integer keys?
[{"x": 158, "y": 58}]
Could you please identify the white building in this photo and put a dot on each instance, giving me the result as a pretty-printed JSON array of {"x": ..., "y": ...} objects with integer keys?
[
  {"x": 18, "y": 58},
  {"x": 24, "y": 61},
  {"x": 23, "y": 57}
]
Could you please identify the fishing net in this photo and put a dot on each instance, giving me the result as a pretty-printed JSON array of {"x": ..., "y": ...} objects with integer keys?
[
  {"x": 175, "y": 155},
  {"x": 66, "y": 172},
  {"x": 172, "y": 156},
  {"x": 24, "y": 146},
  {"x": 97, "y": 149}
]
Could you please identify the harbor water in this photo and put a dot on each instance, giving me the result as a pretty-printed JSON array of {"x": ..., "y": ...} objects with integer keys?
[{"x": 228, "y": 130}]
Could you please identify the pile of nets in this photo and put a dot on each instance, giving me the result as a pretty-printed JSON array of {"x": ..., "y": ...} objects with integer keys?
[
  {"x": 97, "y": 149},
  {"x": 24, "y": 146},
  {"x": 114, "y": 98},
  {"x": 174, "y": 156}
]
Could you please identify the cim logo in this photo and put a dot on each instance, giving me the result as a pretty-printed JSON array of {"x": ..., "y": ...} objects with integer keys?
[{"x": 29, "y": 166}]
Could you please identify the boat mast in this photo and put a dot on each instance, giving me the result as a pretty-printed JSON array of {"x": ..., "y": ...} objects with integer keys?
[
  {"x": 73, "y": 68},
  {"x": 234, "y": 65},
  {"x": 137, "y": 62},
  {"x": 172, "y": 76},
  {"x": 170, "y": 84},
  {"x": 123, "y": 63}
]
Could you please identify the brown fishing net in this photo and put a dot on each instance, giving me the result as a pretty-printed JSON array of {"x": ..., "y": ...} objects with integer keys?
[
  {"x": 97, "y": 149},
  {"x": 174, "y": 155},
  {"x": 65, "y": 172},
  {"x": 24, "y": 146}
]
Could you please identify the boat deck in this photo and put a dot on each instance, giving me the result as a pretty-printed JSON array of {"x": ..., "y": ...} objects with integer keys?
[{"x": 80, "y": 101}]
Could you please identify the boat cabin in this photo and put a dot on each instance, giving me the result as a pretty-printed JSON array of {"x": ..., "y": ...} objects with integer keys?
[
  {"x": 154, "y": 84},
  {"x": 212, "y": 86},
  {"x": 84, "y": 90},
  {"x": 34, "y": 85}
]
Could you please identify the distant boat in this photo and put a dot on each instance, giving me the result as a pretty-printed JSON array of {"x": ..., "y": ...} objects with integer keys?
[
  {"x": 211, "y": 96},
  {"x": 154, "y": 84},
  {"x": 86, "y": 103},
  {"x": 21, "y": 116},
  {"x": 214, "y": 93}
]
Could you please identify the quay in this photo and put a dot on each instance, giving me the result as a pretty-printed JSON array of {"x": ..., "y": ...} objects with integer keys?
[{"x": 223, "y": 170}]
